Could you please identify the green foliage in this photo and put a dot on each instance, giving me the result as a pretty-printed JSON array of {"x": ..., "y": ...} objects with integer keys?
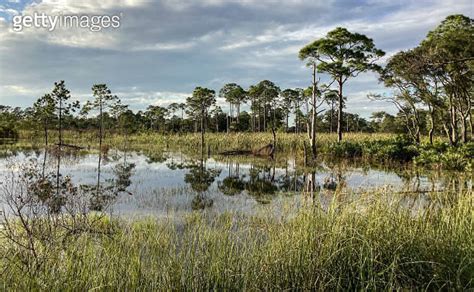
[
  {"x": 382, "y": 246},
  {"x": 233, "y": 93},
  {"x": 201, "y": 100},
  {"x": 393, "y": 149},
  {"x": 440, "y": 155},
  {"x": 8, "y": 132},
  {"x": 397, "y": 149},
  {"x": 9, "y": 117},
  {"x": 342, "y": 55},
  {"x": 44, "y": 111},
  {"x": 157, "y": 117},
  {"x": 345, "y": 149}
]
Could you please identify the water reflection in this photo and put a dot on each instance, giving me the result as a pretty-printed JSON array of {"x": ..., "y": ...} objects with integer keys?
[
  {"x": 200, "y": 178},
  {"x": 167, "y": 181}
]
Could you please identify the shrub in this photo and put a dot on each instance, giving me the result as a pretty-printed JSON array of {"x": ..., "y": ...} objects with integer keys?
[
  {"x": 400, "y": 149},
  {"x": 8, "y": 132},
  {"x": 345, "y": 149}
]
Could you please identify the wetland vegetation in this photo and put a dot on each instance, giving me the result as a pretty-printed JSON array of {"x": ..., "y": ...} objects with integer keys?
[{"x": 95, "y": 196}]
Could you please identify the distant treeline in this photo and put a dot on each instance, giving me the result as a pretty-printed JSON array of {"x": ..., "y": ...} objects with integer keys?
[
  {"x": 431, "y": 85},
  {"x": 15, "y": 119}
]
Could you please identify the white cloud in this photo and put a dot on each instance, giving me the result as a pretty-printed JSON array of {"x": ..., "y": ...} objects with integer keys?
[
  {"x": 9, "y": 11},
  {"x": 141, "y": 99},
  {"x": 166, "y": 47},
  {"x": 84, "y": 6},
  {"x": 254, "y": 4},
  {"x": 13, "y": 89}
]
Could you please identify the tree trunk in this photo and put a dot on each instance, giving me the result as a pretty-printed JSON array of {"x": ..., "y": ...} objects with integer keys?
[
  {"x": 331, "y": 117},
  {"x": 431, "y": 131},
  {"x": 454, "y": 123},
  {"x": 228, "y": 118},
  {"x": 470, "y": 125},
  {"x": 264, "y": 117},
  {"x": 202, "y": 127},
  {"x": 464, "y": 129},
  {"x": 416, "y": 124},
  {"x": 60, "y": 122},
  {"x": 238, "y": 113},
  {"x": 100, "y": 145},
  {"x": 310, "y": 187},
  {"x": 259, "y": 118},
  {"x": 252, "y": 118},
  {"x": 339, "y": 112},
  {"x": 469, "y": 115},
  {"x": 296, "y": 118},
  {"x": 44, "y": 162},
  {"x": 182, "y": 120},
  {"x": 252, "y": 121},
  {"x": 312, "y": 140},
  {"x": 59, "y": 145},
  {"x": 448, "y": 133},
  {"x": 46, "y": 134}
]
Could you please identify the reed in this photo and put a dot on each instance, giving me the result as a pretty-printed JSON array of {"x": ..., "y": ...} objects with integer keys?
[
  {"x": 372, "y": 241},
  {"x": 374, "y": 147}
]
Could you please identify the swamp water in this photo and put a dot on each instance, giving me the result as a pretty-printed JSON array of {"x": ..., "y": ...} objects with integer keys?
[{"x": 170, "y": 183}]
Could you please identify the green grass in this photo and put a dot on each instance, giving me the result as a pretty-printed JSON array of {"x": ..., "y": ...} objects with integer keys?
[
  {"x": 378, "y": 148},
  {"x": 217, "y": 141},
  {"x": 374, "y": 241}
]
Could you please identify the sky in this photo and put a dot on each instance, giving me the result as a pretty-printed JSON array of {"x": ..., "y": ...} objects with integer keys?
[{"x": 163, "y": 49}]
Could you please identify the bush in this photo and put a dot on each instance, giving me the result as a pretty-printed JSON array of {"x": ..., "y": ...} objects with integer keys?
[
  {"x": 400, "y": 149},
  {"x": 8, "y": 132},
  {"x": 345, "y": 149},
  {"x": 449, "y": 158}
]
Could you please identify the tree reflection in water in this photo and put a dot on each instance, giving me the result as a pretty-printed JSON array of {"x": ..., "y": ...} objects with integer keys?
[
  {"x": 113, "y": 187},
  {"x": 200, "y": 178},
  {"x": 234, "y": 183},
  {"x": 156, "y": 157},
  {"x": 260, "y": 179},
  {"x": 261, "y": 183},
  {"x": 123, "y": 173}
]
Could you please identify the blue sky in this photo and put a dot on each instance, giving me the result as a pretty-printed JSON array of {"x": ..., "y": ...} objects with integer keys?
[{"x": 165, "y": 48}]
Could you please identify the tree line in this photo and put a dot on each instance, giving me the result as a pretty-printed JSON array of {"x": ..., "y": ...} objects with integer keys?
[{"x": 431, "y": 85}]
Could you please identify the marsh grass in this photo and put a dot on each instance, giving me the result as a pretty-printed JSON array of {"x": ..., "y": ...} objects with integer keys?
[
  {"x": 373, "y": 147},
  {"x": 372, "y": 241},
  {"x": 217, "y": 141}
]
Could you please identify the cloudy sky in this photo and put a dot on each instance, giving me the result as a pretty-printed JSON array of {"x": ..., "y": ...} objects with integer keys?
[{"x": 165, "y": 48}]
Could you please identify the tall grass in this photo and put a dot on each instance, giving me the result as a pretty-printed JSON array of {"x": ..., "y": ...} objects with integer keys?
[
  {"x": 375, "y": 241},
  {"x": 221, "y": 141},
  {"x": 376, "y": 147}
]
